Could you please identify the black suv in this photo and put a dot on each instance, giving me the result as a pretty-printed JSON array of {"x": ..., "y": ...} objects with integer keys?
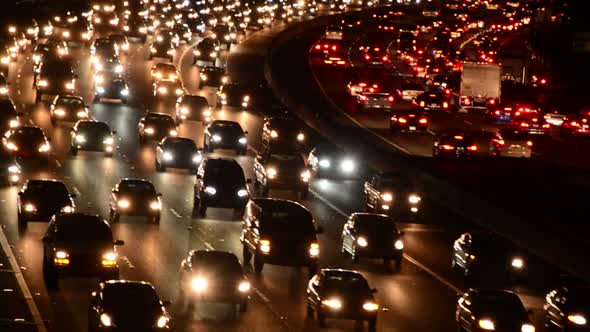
[
  {"x": 223, "y": 134},
  {"x": 92, "y": 135},
  {"x": 56, "y": 77},
  {"x": 135, "y": 197},
  {"x": 220, "y": 183},
  {"x": 279, "y": 232},
  {"x": 212, "y": 76},
  {"x": 177, "y": 152},
  {"x": 79, "y": 244},
  {"x": 41, "y": 199},
  {"x": 282, "y": 169}
]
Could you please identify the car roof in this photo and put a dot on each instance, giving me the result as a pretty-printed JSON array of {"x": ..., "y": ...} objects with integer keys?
[
  {"x": 81, "y": 218},
  {"x": 341, "y": 272}
]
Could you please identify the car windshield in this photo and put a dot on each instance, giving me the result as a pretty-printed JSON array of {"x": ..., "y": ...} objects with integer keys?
[
  {"x": 96, "y": 129},
  {"x": 286, "y": 161},
  {"x": 53, "y": 188},
  {"x": 226, "y": 125},
  {"x": 159, "y": 118},
  {"x": 515, "y": 135},
  {"x": 346, "y": 281},
  {"x": 224, "y": 172},
  {"x": 180, "y": 143},
  {"x": 293, "y": 220},
  {"x": 504, "y": 303},
  {"x": 219, "y": 264},
  {"x": 195, "y": 102},
  {"x": 70, "y": 102},
  {"x": 31, "y": 134},
  {"x": 375, "y": 226},
  {"x": 136, "y": 187},
  {"x": 84, "y": 232},
  {"x": 130, "y": 298},
  {"x": 57, "y": 69},
  {"x": 391, "y": 182}
]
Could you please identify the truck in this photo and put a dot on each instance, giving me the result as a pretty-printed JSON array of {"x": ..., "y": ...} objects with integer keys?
[{"x": 480, "y": 85}]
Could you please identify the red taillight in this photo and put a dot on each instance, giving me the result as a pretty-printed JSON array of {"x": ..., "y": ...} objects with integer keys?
[
  {"x": 497, "y": 112},
  {"x": 334, "y": 48},
  {"x": 524, "y": 124},
  {"x": 376, "y": 49},
  {"x": 385, "y": 58},
  {"x": 422, "y": 104},
  {"x": 391, "y": 99},
  {"x": 423, "y": 121},
  {"x": 447, "y": 147},
  {"x": 402, "y": 120},
  {"x": 501, "y": 142},
  {"x": 529, "y": 143},
  {"x": 535, "y": 119},
  {"x": 326, "y": 45},
  {"x": 317, "y": 47},
  {"x": 445, "y": 104},
  {"x": 574, "y": 124},
  {"x": 492, "y": 101},
  {"x": 543, "y": 81},
  {"x": 367, "y": 57},
  {"x": 472, "y": 148},
  {"x": 371, "y": 89},
  {"x": 546, "y": 125},
  {"x": 363, "y": 97}
]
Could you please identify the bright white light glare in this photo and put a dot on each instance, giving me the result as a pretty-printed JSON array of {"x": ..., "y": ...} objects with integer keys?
[
  {"x": 399, "y": 245},
  {"x": 242, "y": 193},
  {"x": 347, "y": 166}
]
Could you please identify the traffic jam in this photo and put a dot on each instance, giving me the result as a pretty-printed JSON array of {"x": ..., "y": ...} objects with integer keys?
[{"x": 157, "y": 179}]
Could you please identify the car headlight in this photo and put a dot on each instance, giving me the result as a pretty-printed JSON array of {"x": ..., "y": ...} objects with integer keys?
[
  {"x": 314, "y": 249},
  {"x": 13, "y": 169},
  {"x": 43, "y": 83},
  {"x": 224, "y": 79},
  {"x": 207, "y": 112},
  {"x": 527, "y": 328},
  {"x": 155, "y": 205},
  {"x": 149, "y": 130},
  {"x": 325, "y": 163},
  {"x": 3, "y": 90},
  {"x": 118, "y": 69},
  {"x": 162, "y": 322},
  {"x": 387, "y": 197},
  {"x": 246, "y": 98},
  {"x": 179, "y": 91},
  {"x": 244, "y": 286},
  {"x": 82, "y": 114},
  {"x": 347, "y": 166},
  {"x": 370, "y": 306},
  {"x": 242, "y": 193},
  {"x": 44, "y": 147},
  {"x": 67, "y": 209},
  {"x": 199, "y": 284},
  {"x": 300, "y": 137},
  {"x": 213, "y": 54},
  {"x": 361, "y": 241},
  {"x": 265, "y": 246},
  {"x": 59, "y": 112},
  {"x": 335, "y": 304},
  {"x": 517, "y": 263},
  {"x": 577, "y": 319},
  {"x": 399, "y": 245},
  {"x": 29, "y": 207},
  {"x": 167, "y": 156},
  {"x": 99, "y": 79},
  {"x": 123, "y": 203},
  {"x": 11, "y": 146},
  {"x": 163, "y": 90},
  {"x": 184, "y": 110},
  {"x": 486, "y": 324},
  {"x": 414, "y": 199},
  {"x": 109, "y": 258},
  {"x": 197, "y": 53},
  {"x": 210, "y": 190},
  {"x": 125, "y": 92},
  {"x": 14, "y": 123},
  {"x": 274, "y": 134},
  {"x": 197, "y": 159},
  {"x": 271, "y": 172},
  {"x": 216, "y": 138},
  {"x": 243, "y": 140},
  {"x": 108, "y": 141},
  {"x": 106, "y": 320},
  {"x": 80, "y": 138},
  {"x": 98, "y": 66},
  {"x": 173, "y": 132}
]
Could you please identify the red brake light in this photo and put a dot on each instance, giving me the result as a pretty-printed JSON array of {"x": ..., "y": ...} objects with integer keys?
[
  {"x": 458, "y": 137},
  {"x": 524, "y": 124},
  {"x": 546, "y": 125},
  {"x": 402, "y": 120},
  {"x": 422, "y": 104},
  {"x": 501, "y": 142},
  {"x": 472, "y": 148},
  {"x": 385, "y": 58},
  {"x": 492, "y": 101},
  {"x": 445, "y": 104},
  {"x": 529, "y": 143},
  {"x": 376, "y": 49},
  {"x": 326, "y": 45},
  {"x": 535, "y": 119},
  {"x": 334, "y": 48},
  {"x": 447, "y": 147},
  {"x": 362, "y": 84},
  {"x": 317, "y": 47},
  {"x": 423, "y": 121},
  {"x": 363, "y": 97},
  {"x": 391, "y": 99},
  {"x": 497, "y": 112},
  {"x": 367, "y": 57}
]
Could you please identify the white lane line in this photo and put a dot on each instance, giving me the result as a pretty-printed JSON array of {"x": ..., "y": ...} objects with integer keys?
[
  {"x": 76, "y": 191},
  {"x": 467, "y": 122},
  {"x": 57, "y": 163},
  {"x": 175, "y": 213},
  {"x": 261, "y": 295},
  {"x": 22, "y": 284},
  {"x": 127, "y": 261},
  {"x": 431, "y": 132},
  {"x": 406, "y": 256}
]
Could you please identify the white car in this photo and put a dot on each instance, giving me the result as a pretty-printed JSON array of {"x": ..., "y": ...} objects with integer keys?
[
  {"x": 409, "y": 91},
  {"x": 334, "y": 32},
  {"x": 509, "y": 142}
]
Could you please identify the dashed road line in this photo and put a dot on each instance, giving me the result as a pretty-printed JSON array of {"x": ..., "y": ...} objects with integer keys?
[
  {"x": 175, "y": 213},
  {"x": 58, "y": 163},
  {"x": 467, "y": 122}
]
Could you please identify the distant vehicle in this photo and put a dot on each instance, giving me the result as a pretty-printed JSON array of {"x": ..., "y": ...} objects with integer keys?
[
  {"x": 168, "y": 89},
  {"x": 55, "y": 77},
  {"x": 156, "y": 126},
  {"x": 437, "y": 101},
  {"x": 409, "y": 121},
  {"x": 10, "y": 170},
  {"x": 212, "y": 76},
  {"x": 531, "y": 123},
  {"x": 41, "y": 199},
  {"x": 282, "y": 170},
  {"x": 328, "y": 160},
  {"x": 67, "y": 108},
  {"x": 92, "y": 135},
  {"x": 222, "y": 134},
  {"x": 577, "y": 124},
  {"x": 233, "y": 94},
  {"x": 566, "y": 308},
  {"x": 453, "y": 143},
  {"x": 206, "y": 51},
  {"x": 28, "y": 142},
  {"x": 193, "y": 108},
  {"x": 282, "y": 131},
  {"x": 177, "y": 152},
  {"x": 480, "y": 86},
  {"x": 391, "y": 192},
  {"x": 9, "y": 117},
  {"x": 410, "y": 90},
  {"x": 334, "y": 32},
  {"x": 510, "y": 142},
  {"x": 135, "y": 197}
]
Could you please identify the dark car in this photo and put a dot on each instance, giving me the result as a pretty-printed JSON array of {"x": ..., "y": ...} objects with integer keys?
[
  {"x": 567, "y": 309},
  {"x": 103, "y": 48},
  {"x": 279, "y": 232},
  {"x": 375, "y": 55},
  {"x": 434, "y": 101},
  {"x": 123, "y": 305},
  {"x": 212, "y": 76},
  {"x": 483, "y": 253},
  {"x": 79, "y": 244},
  {"x": 193, "y": 108},
  {"x": 110, "y": 65},
  {"x": 177, "y": 152},
  {"x": 4, "y": 88},
  {"x": 233, "y": 94},
  {"x": 92, "y": 135},
  {"x": 9, "y": 117},
  {"x": 214, "y": 276},
  {"x": 576, "y": 124},
  {"x": 533, "y": 123},
  {"x": 341, "y": 294},
  {"x": 67, "y": 108},
  {"x": 156, "y": 126},
  {"x": 135, "y": 197},
  {"x": 121, "y": 41},
  {"x": 282, "y": 131},
  {"x": 492, "y": 310},
  {"x": 503, "y": 113},
  {"x": 28, "y": 142},
  {"x": 10, "y": 170},
  {"x": 41, "y": 199},
  {"x": 55, "y": 76},
  {"x": 79, "y": 31},
  {"x": 111, "y": 87},
  {"x": 409, "y": 121},
  {"x": 281, "y": 169},
  {"x": 168, "y": 89},
  {"x": 392, "y": 192},
  {"x": 454, "y": 144},
  {"x": 328, "y": 160},
  {"x": 220, "y": 183},
  {"x": 162, "y": 50},
  {"x": 373, "y": 236},
  {"x": 206, "y": 51},
  {"x": 222, "y": 134},
  {"x": 225, "y": 34},
  {"x": 136, "y": 28}
]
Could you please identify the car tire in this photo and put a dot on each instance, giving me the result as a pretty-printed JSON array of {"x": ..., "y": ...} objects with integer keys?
[
  {"x": 265, "y": 190},
  {"x": 243, "y": 306},
  {"x": 156, "y": 219},
  {"x": 246, "y": 255},
  {"x": 304, "y": 193},
  {"x": 74, "y": 151},
  {"x": 22, "y": 220},
  {"x": 258, "y": 265},
  {"x": 202, "y": 209},
  {"x": 372, "y": 324},
  {"x": 50, "y": 277}
]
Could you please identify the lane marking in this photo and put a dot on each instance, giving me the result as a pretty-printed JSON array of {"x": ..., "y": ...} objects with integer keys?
[
  {"x": 22, "y": 283},
  {"x": 431, "y": 132},
  {"x": 127, "y": 261},
  {"x": 406, "y": 256},
  {"x": 175, "y": 213},
  {"x": 467, "y": 122},
  {"x": 57, "y": 163},
  {"x": 76, "y": 191}
]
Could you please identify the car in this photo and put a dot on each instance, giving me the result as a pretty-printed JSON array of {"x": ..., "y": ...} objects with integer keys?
[
  {"x": 328, "y": 160},
  {"x": 28, "y": 142},
  {"x": 492, "y": 310},
  {"x": 335, "y": 59},
  {"x": 358, "y": 87},
  {"x": 92, "y": 135},
  {"x": 430, "y": 12},
  {"x": 531, "y": 123},
  {"x": 408, "y": 90},
  {"x": 235, "y": 95},
  {"x": 392, "y": 192},
  {"x": 162, "y": 50},
  {"x": 67, "y": 108},
  {"x": 41, "y": 199},
  {"x": 121, "y": 42},
  {"x": 206, "y": 51},
  {"x": 136, "y": 28},
  {"x": 351, "y": 22},
  {"x": 221, "y": 184},
  {"x": 135, "y": 197},
  {"x": 454, "y": 143},
  {"x": 54, "y": 76},
  {"x": 9, "y": 117},
  {"x": 193, "y": 108},
  {"x": 79, "y": 31},
  {"x": 484, "y": 253},
  {"x": 555, "y": 118},
  {"x": 184, "y": 32},
  {"x": 373, "y": 100},
  {"x": 334, "y": 32},
  {"x": 168, "y": 89},
  {"x": 111, "y": 87},
  {"x": 212, "y": 76},
  {"x": 40, "y": 52},
  {"x": 108, "y": 65},
  {"x": 281, "y": 169},
  {"x": 103, "y": 48},
  {"x": 10, "y": 170},
  {"x": 177, "y": 152},
  {"x": 576, "y": 124},
  {"x": 375, "y": 55},
  {"x": 566, "y": 308},
  {"x": 79, "y": 244},
  {"x": 325, "y": 46},
  {"x": 57, "y": 48},
  {"x": 214, "y": 276},
  {"x": 341, "y": 294},
  {"x": 409, "y": 121},
  {"x": 223, "y": 134},
  {"x": 225, "y": 34},
  {"x": 282, "y": 130},
  {"x": 372, "y": 235},
  {"x": 166, "y": 36},
  {"x": 127, "y": 305},
  {"x": 165, "y": 72},
  {"x": 156, "y": 126},
  {"x": 434, "y": 101},
  {"x": 279, "y": 232},
  {"x": 506, "y": 111},
  {"x": 509, "y": 142}
]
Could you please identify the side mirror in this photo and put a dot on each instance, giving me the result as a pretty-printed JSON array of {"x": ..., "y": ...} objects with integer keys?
[
  {"x": 166, "y": 303},
  {"x": 114, "y": 132},
  {"x": 159, "y": 194},
  {"x": 248, "y": 181},
  {"x": 119, "y": 242},
  {"x": 373, "y": 290},
  {"x": 319, "y": 230},
  {"x": 73, "y": 195}
]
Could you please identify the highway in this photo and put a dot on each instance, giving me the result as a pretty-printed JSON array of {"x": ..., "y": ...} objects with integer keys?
[{"x": 420, "y": 297}]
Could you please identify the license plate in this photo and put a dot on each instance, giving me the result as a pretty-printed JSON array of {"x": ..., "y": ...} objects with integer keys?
[
  {"x": 433, "y": 105},
  {"x": 535, "y": 126},
  {"x": 412, "y": 128}
]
